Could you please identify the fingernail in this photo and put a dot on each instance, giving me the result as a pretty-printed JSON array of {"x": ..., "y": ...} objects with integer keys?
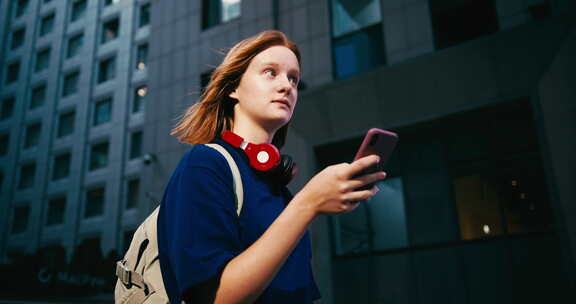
[{"x": 376, "y": 190}]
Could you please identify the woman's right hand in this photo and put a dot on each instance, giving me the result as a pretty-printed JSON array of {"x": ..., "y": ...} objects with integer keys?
[{"x": 333, "y": 190}]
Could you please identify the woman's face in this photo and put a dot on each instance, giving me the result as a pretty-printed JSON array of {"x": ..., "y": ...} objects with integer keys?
[{"x": 268, "y": 89}]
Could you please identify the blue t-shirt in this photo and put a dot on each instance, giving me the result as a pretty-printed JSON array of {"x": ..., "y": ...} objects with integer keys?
[{"x": 199, "y": 231}]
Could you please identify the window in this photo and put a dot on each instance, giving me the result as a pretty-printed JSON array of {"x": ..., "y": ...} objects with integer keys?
[
  {"x": 357, "y": 36},
  {"x": 74, "y": 45},
  {"x": 66, "y": 124},
  {"x": 61, "y": 166},
  {"x": 32, "y": 137},
  {"x": 133, "y": 193},
  {"x": 103, "y": 111},
  {"x": 139, "y": 99},
  {"x": 38, "y": 96},
  {"x": 98, "y": 156},
  {"x": 56, "y": 211},
  {"x": 349, "y": 15},
  {"x": 78, "y": 10},
  {"x": 4, "y": 143},
  {"x": 94, "y": 202},
  {"x": 107, "y": 69},
  {"x": 42, "y": 60},
  {"x": 21, "y": 6},
  {"x": 457, "y": 21},
  {"x": 215, "y": 12},
  {"x": 379, "y": 225},
  {"x": 21, "y": 215},
  {"x": 47, "y": 24},
  {"x": 374, "y": 226},
  {"x": 18, "y": 38},
  {"x": 144, "y": 15},
  {"x": 110, "y": 30},
  {"x": 136, "y": 144},
  {"x": 70, "y": 83},
  {"x": 13, "y": 72},
  {"x": 142, "y": 56},
  {"x": 110, "y": 2},
  {"x": 27, "y": 176},
  {"x": 7, "y": 107},
  {"x": 358, "y": 52}
]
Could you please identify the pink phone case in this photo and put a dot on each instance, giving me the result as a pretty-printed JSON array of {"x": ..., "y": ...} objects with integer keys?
[{"x": 380, "y": 142}]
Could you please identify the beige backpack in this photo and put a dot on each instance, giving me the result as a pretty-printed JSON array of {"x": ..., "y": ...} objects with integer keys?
[{"x": 139, "y": 274}]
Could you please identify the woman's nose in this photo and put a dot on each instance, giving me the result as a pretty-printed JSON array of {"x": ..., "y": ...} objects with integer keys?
[{"x": 284, "y": 84}]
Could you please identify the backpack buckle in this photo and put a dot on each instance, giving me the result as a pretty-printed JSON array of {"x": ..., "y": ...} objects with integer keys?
[{"x": 123, "y": 273}]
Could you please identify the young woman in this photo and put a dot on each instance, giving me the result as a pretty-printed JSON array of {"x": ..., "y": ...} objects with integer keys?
[{"x": 208, "y": 253}]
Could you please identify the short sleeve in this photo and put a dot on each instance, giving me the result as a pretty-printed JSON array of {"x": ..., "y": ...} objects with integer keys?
[{"x": 198, "y": 229}]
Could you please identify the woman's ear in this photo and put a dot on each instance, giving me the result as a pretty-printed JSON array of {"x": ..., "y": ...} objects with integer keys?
[{"x": 233, "y": 95}]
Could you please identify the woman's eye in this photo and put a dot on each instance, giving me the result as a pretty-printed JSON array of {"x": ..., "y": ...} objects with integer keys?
[
  {"x": 270, "y": 73},
  {"x": 293, "y": 79}
]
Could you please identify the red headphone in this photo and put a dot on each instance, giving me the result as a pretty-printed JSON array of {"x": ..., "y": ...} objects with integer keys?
[{"x": 262, "y": 157}]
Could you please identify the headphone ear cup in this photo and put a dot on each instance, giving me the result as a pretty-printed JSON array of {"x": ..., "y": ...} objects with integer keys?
[{"x": 286, "y": 170}]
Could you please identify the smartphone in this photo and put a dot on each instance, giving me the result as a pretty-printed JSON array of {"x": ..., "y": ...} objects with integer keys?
[{"x": 379, "y": 142}]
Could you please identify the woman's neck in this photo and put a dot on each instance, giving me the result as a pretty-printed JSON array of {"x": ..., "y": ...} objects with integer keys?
[{"x": 252, "y": 132}]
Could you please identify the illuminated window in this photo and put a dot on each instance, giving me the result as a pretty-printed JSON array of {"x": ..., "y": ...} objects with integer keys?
[
  {"x": 139, "y": 99},
  {"x": 142, "y": 56}
]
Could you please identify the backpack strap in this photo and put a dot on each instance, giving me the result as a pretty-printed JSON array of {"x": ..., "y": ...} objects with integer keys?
[{"x": 238, "y": 188}]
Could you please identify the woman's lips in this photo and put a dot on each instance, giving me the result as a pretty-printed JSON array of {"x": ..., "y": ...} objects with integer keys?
[{"x": 283, "y": 102}]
